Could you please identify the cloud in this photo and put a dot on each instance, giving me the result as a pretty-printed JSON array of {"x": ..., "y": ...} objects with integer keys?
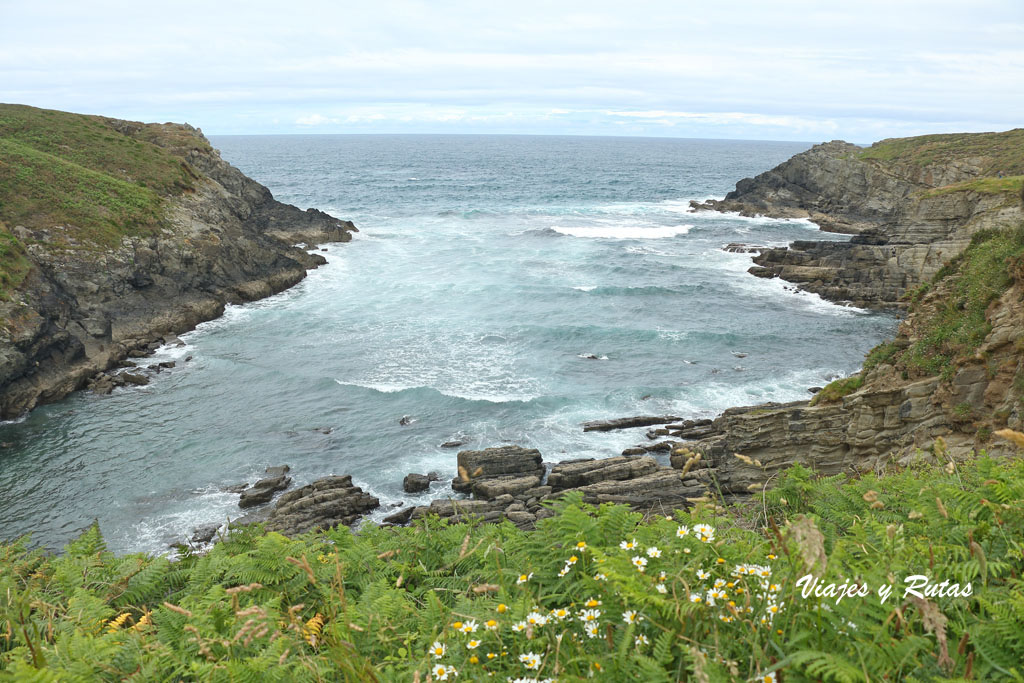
[
  {"x": 315, "y": 120},
  {"x": 746, "y": 68}
]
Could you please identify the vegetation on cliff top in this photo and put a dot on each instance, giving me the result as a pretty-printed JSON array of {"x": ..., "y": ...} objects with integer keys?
[
  {"x": 14, "y": 263},
  {"x": 949, "y": 325},
  {"x": 956, "y": 325},
  {"x": 602, "y": 593},
  {"x": 995, "y": 152},
  {"x": 79, "y": 172}
]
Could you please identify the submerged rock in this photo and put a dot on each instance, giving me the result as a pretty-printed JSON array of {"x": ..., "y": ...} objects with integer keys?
[{"x": 627, "y": 422}]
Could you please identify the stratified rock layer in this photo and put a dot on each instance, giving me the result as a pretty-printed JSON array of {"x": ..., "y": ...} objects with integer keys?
[
  {"x": 908, "y": 219},
  {"x": 323, "y": 504}
]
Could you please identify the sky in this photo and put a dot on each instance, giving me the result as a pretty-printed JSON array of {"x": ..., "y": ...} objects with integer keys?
[{"x": 859, "y": 70}]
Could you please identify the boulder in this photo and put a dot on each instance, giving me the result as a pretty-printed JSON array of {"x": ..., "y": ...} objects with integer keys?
[
  {"x": 323, "y": 504},
  {"x": 263, "y": 490},
  {"x": 401, "y": 517},
  {"x": 490, "y": 463},
  {"x": 133, "y": 378},
  {"x": 278, "y": 471},
  {"x": 415, "y": 483}
]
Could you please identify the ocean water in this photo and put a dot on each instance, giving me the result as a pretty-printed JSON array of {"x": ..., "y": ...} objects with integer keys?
[{"x": 487, "y": 270}]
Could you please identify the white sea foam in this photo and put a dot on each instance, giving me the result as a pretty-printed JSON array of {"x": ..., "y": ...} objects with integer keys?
[
  {"x": 777, "y": 287},
  {"x": 627, "y": 232},
  {"x": 469, "y": 395},
  {"x": 706, "y": 214},
  {"x": 586, "y": 288}
]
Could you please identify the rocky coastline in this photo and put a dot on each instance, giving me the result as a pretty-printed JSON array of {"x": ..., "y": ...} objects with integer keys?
[
  {"x": 908, "y": 220},
  {"x": 84, "y": 308},
  {"x": 86, "y": 315},
  {"x": 907, "y": 216}
]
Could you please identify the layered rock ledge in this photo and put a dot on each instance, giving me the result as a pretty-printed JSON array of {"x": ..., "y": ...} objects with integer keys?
[{"x": 909, "y": 212}]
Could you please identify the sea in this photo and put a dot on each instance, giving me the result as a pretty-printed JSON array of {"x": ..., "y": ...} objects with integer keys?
[{"x": 500, "y": 290}]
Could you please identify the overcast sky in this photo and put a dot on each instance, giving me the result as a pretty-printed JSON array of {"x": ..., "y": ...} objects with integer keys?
[{"x": 859, "y": 70}]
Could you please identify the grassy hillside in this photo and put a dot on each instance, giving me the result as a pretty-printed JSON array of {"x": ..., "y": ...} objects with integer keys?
[
  {"x": 705, "y": 595},
  {"x": 77, "y": 171},
  {"x": 996, "y": 152}
]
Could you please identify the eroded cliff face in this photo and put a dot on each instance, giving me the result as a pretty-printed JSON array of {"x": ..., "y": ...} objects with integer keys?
[
  {"x": 907, "y": 219},
  {"x": 910, "y": 219},
  {"x": 82, "y": 309}
]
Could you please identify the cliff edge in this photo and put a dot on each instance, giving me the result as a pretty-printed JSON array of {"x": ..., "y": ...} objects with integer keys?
[
  {"x": 938, "y": 232},
  {"x": 114, "y": 234},
  {"x": 911, "y": 204}
]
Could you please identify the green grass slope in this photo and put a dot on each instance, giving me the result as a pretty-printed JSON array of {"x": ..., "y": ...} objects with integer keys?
[
  {"x": 80, "y": 172},
  {"x": 997, "y": 152},
  {"x": 704, "y": 595}
]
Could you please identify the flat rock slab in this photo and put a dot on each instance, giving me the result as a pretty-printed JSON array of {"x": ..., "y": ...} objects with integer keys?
[
  {"x": 499, "y": 486},
  {"x": 570, "y": 475},
  {"x": 323, "y": 504},
  {"x": 662, "y": 491},
  {"x": 628, "y": 422}
]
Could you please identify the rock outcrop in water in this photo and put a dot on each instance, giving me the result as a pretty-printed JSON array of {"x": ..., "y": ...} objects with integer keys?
[
  {"x": 91, "y": 294},
  {"x": 911, "y": 204},
  {"x": 509, "y": 483},
  {"x": 323, "y": 504}
]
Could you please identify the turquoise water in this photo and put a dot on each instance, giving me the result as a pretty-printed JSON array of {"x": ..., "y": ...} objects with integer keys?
[{"x": 485, "y": 271}]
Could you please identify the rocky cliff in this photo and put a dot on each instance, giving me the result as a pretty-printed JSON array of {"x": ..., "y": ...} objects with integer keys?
[
  {"x": 938, "y": 231},
  {"x": 117, "y": 234},
  {"x": 911, "y": 204}
]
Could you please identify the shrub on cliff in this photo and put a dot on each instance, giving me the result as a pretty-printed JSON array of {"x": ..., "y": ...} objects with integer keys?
[
  {"x": 951, "y": 321},
  {"x": 593, "y": 592}
]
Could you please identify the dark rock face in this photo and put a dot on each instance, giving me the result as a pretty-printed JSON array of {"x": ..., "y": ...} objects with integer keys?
[
  {"x": 902, "y": 233},
  {"x": 415, "y": 483},
  {"x": 263, "y": 490},
  {"x": 323, "y": 504},
  {"x": 204, "y": 534},
  {"x": 228, "y": 241}
]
